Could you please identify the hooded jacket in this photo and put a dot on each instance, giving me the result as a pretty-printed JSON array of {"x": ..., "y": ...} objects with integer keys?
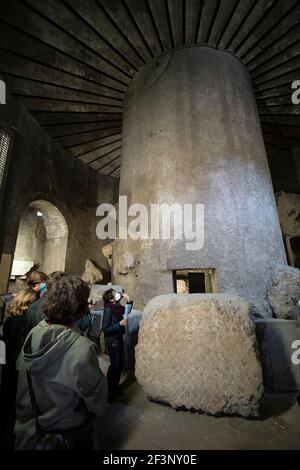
[{"x": 66, "y": 380}]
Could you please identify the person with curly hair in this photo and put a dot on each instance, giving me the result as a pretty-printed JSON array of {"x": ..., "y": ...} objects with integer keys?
[{"x": 63, "y": 365}]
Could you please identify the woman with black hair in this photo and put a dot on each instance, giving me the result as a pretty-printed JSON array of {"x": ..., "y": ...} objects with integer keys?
[{"x": 113, "y": 326}]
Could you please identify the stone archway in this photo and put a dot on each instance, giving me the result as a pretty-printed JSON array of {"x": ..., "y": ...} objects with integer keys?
[{"x": 42, "y": 239}]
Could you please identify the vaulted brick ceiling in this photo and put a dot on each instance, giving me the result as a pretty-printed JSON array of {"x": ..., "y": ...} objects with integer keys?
[{"x": 71, "y": 61}]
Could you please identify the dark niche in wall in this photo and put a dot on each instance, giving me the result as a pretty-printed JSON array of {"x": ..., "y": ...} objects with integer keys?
[
  {"x": 295, "y": 246},
  {"x": 193, "y": 281}
]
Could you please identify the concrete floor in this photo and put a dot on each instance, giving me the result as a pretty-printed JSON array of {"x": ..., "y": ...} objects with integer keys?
[{"x": 136, "y": 423}]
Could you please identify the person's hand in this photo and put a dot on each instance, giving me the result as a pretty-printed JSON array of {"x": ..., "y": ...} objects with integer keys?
[
  {"x": 123, "y": 322},
  {"x": 126, "y": 296}
]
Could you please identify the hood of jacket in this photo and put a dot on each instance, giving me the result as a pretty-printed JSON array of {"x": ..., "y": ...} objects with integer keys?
[{"x": 47, "y": 344}]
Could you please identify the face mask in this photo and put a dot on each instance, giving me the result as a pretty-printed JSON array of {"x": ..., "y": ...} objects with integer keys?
[
  {"x": 43, "y": 287},
  {"x": 117, "y": 296}
]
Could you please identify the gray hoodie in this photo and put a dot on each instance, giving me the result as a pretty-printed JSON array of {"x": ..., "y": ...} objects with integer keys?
[{"x": 66, "y": 379}]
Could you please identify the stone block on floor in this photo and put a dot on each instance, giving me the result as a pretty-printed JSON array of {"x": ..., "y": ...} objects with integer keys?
[{"x": 199, "y": 351}]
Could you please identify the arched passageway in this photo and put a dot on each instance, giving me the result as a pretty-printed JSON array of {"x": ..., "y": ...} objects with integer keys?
[{"x": 41, "y": 243}]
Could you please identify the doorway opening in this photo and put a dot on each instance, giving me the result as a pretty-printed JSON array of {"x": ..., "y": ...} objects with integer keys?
[
  {"x": 192, "y": 281},
  {"x": 41, "y": 243}
]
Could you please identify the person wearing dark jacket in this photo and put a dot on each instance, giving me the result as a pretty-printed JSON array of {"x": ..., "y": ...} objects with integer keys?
[
  {"x": 33, "y": 316},
  {"x": 13, "y": 335},
  {"x": 113, "y": 327}
]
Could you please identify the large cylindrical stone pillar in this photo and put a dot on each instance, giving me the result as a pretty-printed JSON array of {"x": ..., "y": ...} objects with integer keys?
[{"x": 191, "y": 135}]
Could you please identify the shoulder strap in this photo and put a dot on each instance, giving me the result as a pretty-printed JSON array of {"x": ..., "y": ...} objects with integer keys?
[
  {"x": 32, "y": 395},
  {"x": 33, "y": 403}
]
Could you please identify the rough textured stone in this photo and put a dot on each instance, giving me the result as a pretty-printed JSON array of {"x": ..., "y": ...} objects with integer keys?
[
  {"x": 107, "y": 251},
  {"x": 288, "y": 206},
  {"x": 199, "y": 351},
  {"x": 260, "y": 308},
  {"x": 97, "y": 291},
  {"x": 198, "y": 144},
  {"x": 91, "y": 273},
  {"x": 124, "y": 263},
  {"x": 284, "y": 291},
  {"x": 131, "y": 338}
]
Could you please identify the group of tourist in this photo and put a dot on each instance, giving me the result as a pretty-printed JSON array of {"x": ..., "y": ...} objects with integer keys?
[{"x": 51, "y": 382}]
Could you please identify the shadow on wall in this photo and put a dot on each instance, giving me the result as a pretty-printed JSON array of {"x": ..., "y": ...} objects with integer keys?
[{"x": 276, "y": 340}]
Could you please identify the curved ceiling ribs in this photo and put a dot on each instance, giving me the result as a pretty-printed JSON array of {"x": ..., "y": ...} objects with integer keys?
[{"x": 71, "y": 62}]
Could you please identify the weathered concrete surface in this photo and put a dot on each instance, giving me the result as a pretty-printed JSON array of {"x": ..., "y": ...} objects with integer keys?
[
  {"x": 131, "y": 338},
  {"x": 56, "y": 237},
  {"x": 260, "y": 308},
  {"x": 124, "y": 264},
  {"x": 191, "y": 135},
  {"x": 107, "y": 251},
  {"x": 288, "y": 206},
  {"x": 31, "y": 237},
  {"x": 284, "y": 291},
  {"x": 198, "y": 351},
  {"x": 91, "y": 274},
  {"x": 278, "y": 342}
]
